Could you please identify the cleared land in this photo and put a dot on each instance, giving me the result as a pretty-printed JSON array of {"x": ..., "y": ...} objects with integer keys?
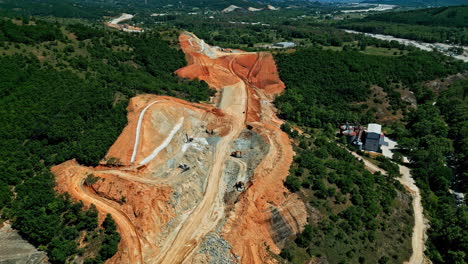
[{"x": 175, "y": 154}]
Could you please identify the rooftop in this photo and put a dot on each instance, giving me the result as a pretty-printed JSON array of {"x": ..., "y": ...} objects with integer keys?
[{"x": 374, "y": 128}]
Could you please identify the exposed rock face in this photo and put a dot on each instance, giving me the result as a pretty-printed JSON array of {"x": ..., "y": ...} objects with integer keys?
[
  {"x": 170, "y": 182},
  {"x": 440, "y": 85},
  {"x": 15, "y": 250},
  {"x": 148, "y": 202},
  {"x": 266, "y": 213}
]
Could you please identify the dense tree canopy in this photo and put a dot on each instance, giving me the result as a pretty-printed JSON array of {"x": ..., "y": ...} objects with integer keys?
[
  {"x": 323, "y": 84},
  {"x": 444, "y": 24},
  {"x": 356, "y": 214}
]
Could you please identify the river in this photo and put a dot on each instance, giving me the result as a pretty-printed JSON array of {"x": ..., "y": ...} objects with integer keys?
[{"x": 441, "y": 47}]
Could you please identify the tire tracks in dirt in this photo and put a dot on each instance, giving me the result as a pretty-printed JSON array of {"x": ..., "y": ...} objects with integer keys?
[{"x": 127, "y": 230}]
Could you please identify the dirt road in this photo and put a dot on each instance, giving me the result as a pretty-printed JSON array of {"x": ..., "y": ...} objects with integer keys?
[
  {"x": 127, "y": 230},
  {"x": 207, "y": 214},
  {"x": 246, "y": 84},
  {"x": 138, "y": 130},
  {"x": 419, "y": 230}
]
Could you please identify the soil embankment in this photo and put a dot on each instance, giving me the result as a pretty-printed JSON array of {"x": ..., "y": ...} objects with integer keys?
[
  {"x": 249, "y": 224},
  {"x": 166, "y": 178}
]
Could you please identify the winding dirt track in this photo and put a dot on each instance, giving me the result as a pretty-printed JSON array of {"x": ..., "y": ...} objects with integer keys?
[
  {"x": 126, "y": 227},
  {"x": 235, "y": 74},
  {"x": 242, "y": 169},
  {"x": 207, "y": 214},
  {"x": 419, "y": 229},
  {"x": 138, "y": 130},
  {"x": 248, "y": 226}
]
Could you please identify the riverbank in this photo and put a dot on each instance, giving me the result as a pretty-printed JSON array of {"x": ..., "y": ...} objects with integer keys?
[{"x": 441, "y": 47}]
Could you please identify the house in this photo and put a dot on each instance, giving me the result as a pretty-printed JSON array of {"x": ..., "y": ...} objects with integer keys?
[
  {"x": 369, "y": 139},
  {"x": 373, "y": 138}
]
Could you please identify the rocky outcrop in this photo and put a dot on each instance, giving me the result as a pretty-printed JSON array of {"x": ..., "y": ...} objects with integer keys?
[
  {"x": 15, "y": 250},
  {"x": 169, "y": 181},
  {"x": 149, "y": 202},
  {"x": 266, "y": 213}
]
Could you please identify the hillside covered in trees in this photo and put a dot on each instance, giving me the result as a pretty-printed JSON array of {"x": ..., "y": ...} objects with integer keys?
[
  {"x": 324, "y": 90},
  {"x": 323, "y": 84},
  {"x": 356, "y": 216},
  {"x": 63, "y": 95},
  {"x": 435, "y": 136},
  {"x": 443, "y": 24},
  {"x": 64, "y": 88}
]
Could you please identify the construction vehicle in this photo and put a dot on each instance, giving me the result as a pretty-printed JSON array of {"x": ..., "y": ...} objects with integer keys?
[
  {"x": 184, "y": 167},
  {"x": 236, "y": 154},
  {"x": 188, "y": 139},
  {"x": 239, "y": 186}
]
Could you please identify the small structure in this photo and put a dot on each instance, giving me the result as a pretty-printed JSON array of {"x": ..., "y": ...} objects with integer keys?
[
  {"x": 284, "y": 45},
  {"x": 374, "y": 138},
  {"x": 370, "y": 138},
  {"x": 353, "y": 134},
  {"x": 239, "y": 186},
  {"x": 188, "y": 139}
]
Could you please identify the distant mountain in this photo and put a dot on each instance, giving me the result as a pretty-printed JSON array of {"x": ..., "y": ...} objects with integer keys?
[
  {"x": 420, "y": 3},
  {"x": 453, "y": 16},
  {"x": 94, "y": 9},
  {"x": 412, "y": 3}
]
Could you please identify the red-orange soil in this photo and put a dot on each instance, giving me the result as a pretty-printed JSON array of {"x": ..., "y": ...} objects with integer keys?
[
  {"x": 248, "y": 229},
  {"x": 154, "y": 227},
  {"x": 146, "y": 208}
]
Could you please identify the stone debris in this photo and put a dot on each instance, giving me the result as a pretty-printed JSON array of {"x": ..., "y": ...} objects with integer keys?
[{"x": 15, "y": 250}]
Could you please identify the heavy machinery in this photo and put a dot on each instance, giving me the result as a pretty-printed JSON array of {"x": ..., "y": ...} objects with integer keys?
[
  {"x": 184, "y": 167},
  {"x": 188, "y": 139},
  {"x": 239, "y": 186},
  {"x": 236, "y": 154}
]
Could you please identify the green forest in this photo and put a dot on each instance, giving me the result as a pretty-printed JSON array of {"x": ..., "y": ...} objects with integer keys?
[
  {"x": 444, "y": 24},
  {"x": 359, "y": 217},
  {"x": 65, "y": 84},
  {"x": 323, "y": 84},
  {"x": 434, "y": 136},
  {"x": 63, "y": 95},
  {"x": 323, "y": 88}
]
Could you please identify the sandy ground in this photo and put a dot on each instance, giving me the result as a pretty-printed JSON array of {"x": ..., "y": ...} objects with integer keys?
[
  {"x": 254, "y": 75},
  {"x": 168, "y": 213},
  {"x": 76, "y": 188},
  {"x": 211, "y": 210},
  {"x": 139, "y": 220}
]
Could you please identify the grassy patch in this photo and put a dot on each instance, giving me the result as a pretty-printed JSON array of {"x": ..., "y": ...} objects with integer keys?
[{"x": 371, "y": 50}]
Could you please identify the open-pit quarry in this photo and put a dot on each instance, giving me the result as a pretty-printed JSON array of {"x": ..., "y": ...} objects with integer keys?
[{"x": 198, "y": 183}]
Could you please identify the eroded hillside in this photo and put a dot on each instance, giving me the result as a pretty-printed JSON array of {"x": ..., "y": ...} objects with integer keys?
[{"x": 197, "y": 183}]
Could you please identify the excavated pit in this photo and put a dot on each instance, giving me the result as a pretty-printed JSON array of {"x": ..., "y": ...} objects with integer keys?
[{"x": 170, "y": 182}]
